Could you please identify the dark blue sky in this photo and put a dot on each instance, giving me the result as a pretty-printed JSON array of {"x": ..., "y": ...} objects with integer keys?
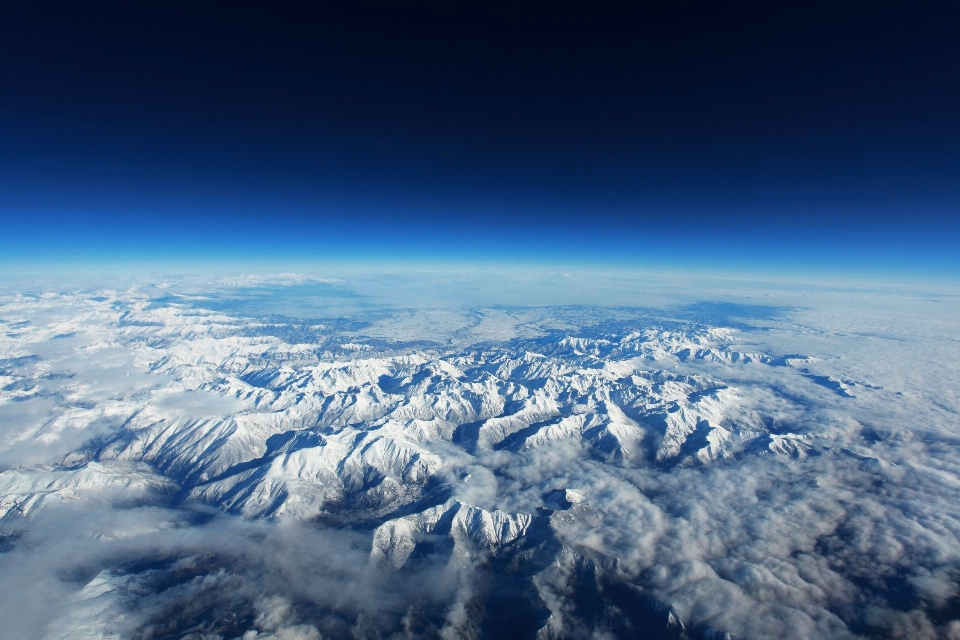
[{"x": 755, "y": 135}]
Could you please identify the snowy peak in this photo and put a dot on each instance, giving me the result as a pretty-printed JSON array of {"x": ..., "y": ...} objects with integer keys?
[{"x": 471, "y": 529}]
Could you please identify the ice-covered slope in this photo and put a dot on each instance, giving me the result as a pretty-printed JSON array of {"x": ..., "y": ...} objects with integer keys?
[{"x": 22, "y": 491}]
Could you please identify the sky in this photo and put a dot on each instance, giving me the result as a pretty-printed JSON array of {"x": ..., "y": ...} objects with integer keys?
[{"x": 754, "y": 137}]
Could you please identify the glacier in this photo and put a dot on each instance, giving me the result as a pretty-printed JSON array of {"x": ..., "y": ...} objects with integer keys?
[{"x": 175, "y": 464}]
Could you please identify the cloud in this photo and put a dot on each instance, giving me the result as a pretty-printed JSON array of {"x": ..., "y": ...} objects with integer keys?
[
  {"x": 154, "y": 572},
  {"x": 274, "y": 280}
]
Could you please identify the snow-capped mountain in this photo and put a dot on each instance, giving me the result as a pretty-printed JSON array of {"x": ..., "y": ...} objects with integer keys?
[{"x": 601, "y": 471}]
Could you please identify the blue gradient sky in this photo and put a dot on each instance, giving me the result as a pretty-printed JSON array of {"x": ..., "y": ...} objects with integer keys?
[{"x": 760, "y": 137}]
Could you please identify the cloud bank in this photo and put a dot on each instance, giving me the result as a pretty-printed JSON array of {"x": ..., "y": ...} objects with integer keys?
[{"x": 169, "y": 467}]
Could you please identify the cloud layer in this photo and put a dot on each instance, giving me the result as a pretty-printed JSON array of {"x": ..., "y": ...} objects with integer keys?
[{"x": 168, "y": 467}]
